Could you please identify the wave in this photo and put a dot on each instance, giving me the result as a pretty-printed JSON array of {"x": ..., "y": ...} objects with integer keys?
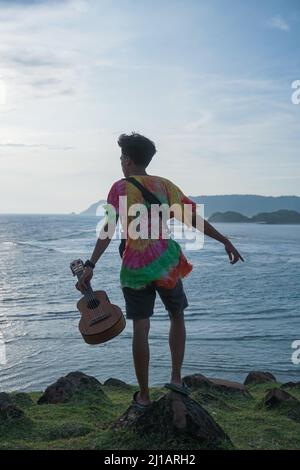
[
  {"x": 40, "y": 244},
  {"x": 29, "y": 244},
  {"x": 71, "y": 338},
  {"x": 24, "y": 359},
  {"x": 241, "y": 317},
  {"x": 16, "y": 299},
  {"x": 76, "y": 235},
  {"x": 63, "y": 338},
  {"x": 197, "y": 338},
  {"x": 39, "y": 319}
]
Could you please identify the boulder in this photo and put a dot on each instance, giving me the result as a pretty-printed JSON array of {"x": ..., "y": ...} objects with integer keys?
[
  {"x": 259, "y": 377},
  {"x": 228, "y": 386},
  {"x": 295, "y": 385},
  {"x": 284, "y": 402},
  {"x": 199, "y": 381},
  {"x": 116, "y": 383},
  {"x": 73, "y": 386},
  {"x": 195, "y": 381},
  {"x": 174, "y": 417},
  {"x": 277, "y": 397},
  {"x": 8, "y": 410},
  {"x": 21, "y": 399},
  {"x": 210, "y": 398}
]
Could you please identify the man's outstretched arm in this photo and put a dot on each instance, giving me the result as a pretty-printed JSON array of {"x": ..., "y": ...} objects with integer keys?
[{"x": 201, "y": 224}]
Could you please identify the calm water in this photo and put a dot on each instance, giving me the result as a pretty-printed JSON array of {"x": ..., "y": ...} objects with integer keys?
[{"x": 240, "y": 317}]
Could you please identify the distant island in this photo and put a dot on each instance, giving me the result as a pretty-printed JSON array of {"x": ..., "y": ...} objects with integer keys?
[
  {"x": 277, "y": 217},
  {"x": 92, "y": 209},
  {"x": 247, "y": 204}
]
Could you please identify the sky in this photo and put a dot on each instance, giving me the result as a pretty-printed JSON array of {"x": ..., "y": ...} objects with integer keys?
[{"x": 209, "y": 81}]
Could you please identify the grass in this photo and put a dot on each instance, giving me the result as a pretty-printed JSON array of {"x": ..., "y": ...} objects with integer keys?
[{"x": 85, "y": 423}]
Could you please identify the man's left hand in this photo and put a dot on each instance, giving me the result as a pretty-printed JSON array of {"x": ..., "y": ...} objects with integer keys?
[
  {"x": 234, "y": 255},
  {"x": 86, "y": 276}
]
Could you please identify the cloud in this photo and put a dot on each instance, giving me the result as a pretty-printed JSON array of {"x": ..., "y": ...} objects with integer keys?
[
  {"x": 45, "y": 82},
  {"x": 46, "y": 53},
  {"x": 21, "y": 145},
  {"x": 32, "y": 68},
  {"x": 32, "y": 61},
  {"x": 25, "y": 3},
  {"x": 276, "y": 22},
  {"x": 198, "y": 124}
]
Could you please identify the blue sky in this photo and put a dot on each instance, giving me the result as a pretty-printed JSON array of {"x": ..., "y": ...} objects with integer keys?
[{"x": 208, "y": 81}]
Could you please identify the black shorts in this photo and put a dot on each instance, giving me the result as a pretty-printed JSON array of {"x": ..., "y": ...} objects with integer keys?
[{"x": 140, "y": 302}]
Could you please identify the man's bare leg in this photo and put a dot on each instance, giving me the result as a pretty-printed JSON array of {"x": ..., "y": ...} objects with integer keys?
[
  {"x": 141, "y": 356},
  {"x": 177, "y": 337}
]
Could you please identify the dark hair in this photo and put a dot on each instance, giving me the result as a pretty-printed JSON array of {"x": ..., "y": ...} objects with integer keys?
[{"x": 138, "y": 148}]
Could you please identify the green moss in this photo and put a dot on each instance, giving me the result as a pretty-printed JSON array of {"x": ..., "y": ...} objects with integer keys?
[{"x": 86, "y": 424}]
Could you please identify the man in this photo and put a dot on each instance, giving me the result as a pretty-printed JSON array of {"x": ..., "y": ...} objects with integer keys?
[{"x": 151, "y": 265}]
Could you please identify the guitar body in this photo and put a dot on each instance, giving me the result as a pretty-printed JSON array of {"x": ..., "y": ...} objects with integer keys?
[{"x": 101, "y": 323}]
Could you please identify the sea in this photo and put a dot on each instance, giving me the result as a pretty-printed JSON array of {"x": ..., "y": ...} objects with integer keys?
[{"x": 240, "y": 317}]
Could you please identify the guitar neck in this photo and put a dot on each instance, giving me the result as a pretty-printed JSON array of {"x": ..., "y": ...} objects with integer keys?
[
  {"x": 77, "y": 268},
  {"x": 88, "y": 293}
]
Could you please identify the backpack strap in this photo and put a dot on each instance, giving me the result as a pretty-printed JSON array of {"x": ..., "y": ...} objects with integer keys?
[{"x": 148, "y": 196}]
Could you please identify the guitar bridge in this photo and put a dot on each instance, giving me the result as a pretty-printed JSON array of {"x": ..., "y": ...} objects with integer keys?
[{"x": 97, "y": 319}]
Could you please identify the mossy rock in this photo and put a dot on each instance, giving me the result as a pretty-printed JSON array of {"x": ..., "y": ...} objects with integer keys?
[
  {"x": 259, "y": 377},
  {"x": 112, "y": 382},
  {"x": 74, "y": 387},
  {"x": 8, "y": 410},
  {"x": 175, "y": 417},
  {"x": 207, "y": 398},
  {"x": 291, "y": 385},
  {"x": 23, "y": 400},
  {"x": 221, "y": 386},
  {"x": 284, "y": 402}
]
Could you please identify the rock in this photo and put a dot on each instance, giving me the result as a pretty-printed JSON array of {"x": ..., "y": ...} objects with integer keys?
[
  {"x": 295, "y": 385},
  {"x": 198, "y": 381},
  {"x": 116, "y": 383},
  {"x": 281, "y": 400},
  {"x": 174, "y": 417},
  {"x": 21, "y": 399},
  {"x": 276, "y": 397},
  {"x": 228, "y": 386},
  {"x": 211, "y": 399},
  {"x": 74, "y": 385},
  {"x": 9, "y": 411},
  {"x": 259, "y": 377}
]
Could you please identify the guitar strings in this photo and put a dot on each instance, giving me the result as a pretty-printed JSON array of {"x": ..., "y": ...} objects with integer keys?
[
  {"x": 91, "y": 298},
  {"x": 92, "y": 301},
  {"x": 89, "y": 295}
]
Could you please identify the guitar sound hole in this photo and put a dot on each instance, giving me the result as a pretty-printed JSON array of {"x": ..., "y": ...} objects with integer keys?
[{"x": 92, "y": 304}]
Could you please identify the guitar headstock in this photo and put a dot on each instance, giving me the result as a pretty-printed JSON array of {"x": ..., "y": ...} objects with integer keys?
[{"x": 77, "y": 267}]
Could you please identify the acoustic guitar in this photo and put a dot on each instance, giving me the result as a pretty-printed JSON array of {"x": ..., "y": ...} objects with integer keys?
[{"x": 100, "y": 320}]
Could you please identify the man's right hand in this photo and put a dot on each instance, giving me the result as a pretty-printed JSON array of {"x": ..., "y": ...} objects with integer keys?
[{"x": 86, "y": 276}]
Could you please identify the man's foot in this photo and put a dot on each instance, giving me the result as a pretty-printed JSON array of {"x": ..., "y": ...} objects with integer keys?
[
  {"x": 139, "y": 402},
  {"x": 179, "y": 387}
]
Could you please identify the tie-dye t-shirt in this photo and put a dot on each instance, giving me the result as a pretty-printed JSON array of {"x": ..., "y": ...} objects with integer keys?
[{"x": 149, "y": 260}]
